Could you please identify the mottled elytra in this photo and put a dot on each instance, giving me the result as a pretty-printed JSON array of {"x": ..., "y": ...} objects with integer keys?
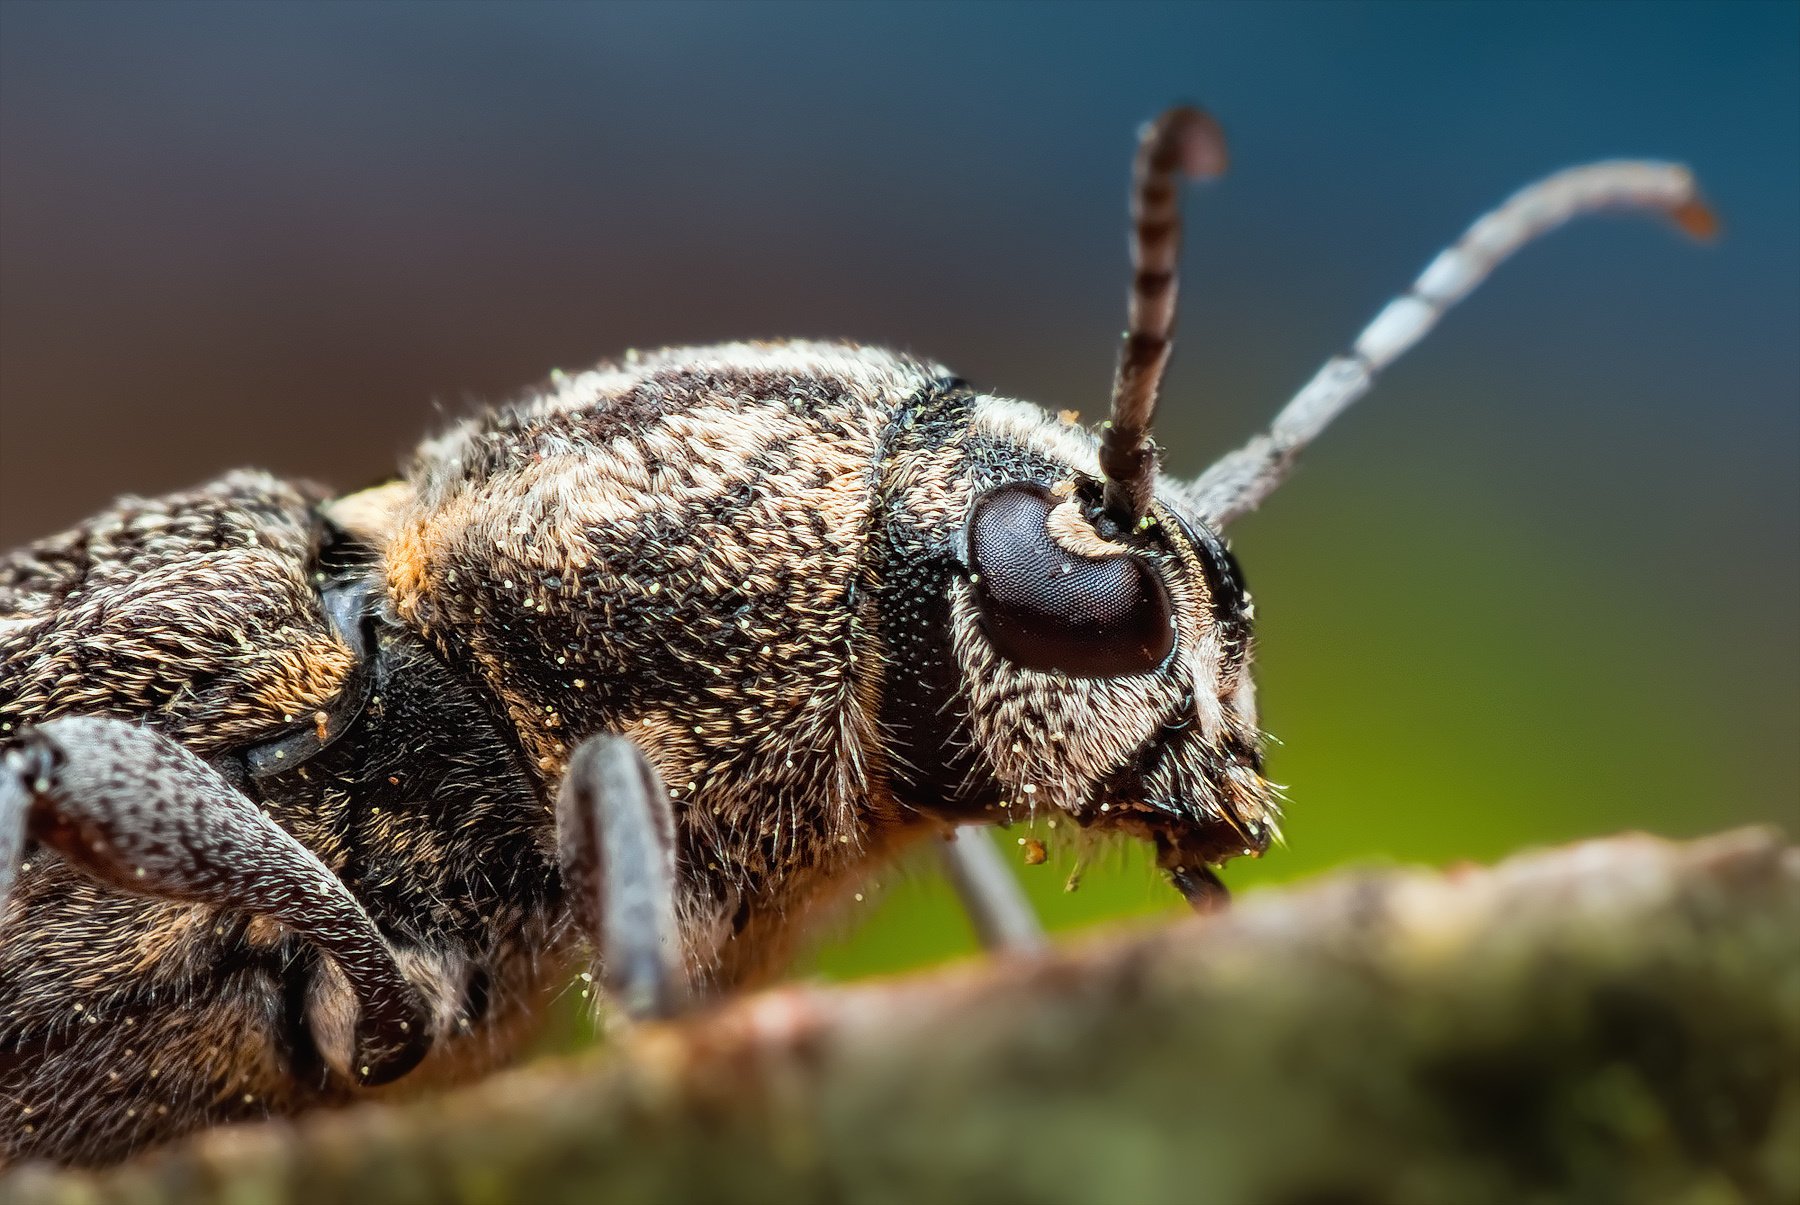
[{"x": 301, "y": 795}]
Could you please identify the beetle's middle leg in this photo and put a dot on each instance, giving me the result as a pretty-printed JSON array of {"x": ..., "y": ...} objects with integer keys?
[
  {"x": 616, "y": 840},
  {"x": 137, "y": 811}
]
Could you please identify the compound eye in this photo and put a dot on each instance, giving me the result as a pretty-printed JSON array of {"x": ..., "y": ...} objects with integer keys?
[{"x": 1047, "y": 608}]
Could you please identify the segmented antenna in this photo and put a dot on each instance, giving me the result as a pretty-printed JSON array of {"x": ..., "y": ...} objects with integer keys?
[
  {"x": 1182, "y": 142},
  {"x": 1240, "y": 481}
]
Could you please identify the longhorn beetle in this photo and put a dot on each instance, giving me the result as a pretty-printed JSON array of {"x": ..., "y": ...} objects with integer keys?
[{"x": 301, "y": 796}]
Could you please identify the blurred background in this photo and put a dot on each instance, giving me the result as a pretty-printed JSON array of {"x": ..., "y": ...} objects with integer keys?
[{"x": 1543, "y": 583}]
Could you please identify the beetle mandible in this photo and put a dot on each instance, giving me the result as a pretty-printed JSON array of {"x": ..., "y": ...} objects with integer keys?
[{"x": 302, "y": 796}]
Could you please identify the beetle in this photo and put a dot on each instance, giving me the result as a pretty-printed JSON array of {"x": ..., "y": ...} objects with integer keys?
[{"x": 303, "y": 796}]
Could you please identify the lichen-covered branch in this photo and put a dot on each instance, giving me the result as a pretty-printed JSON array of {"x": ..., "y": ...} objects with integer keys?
[{"x": 1614, "y": 1021}]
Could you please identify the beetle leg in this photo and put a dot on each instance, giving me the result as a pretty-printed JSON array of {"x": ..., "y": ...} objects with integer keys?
[
  {"x": 616, "y": 839},
  {"x": 1002, "y": 916},
  {"x": 138, "y": 812}
]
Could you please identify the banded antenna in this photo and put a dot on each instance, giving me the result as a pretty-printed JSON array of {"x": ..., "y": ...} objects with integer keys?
[
  {"x": 1182, "y": 142},
  {"x": 1239, "y": 481}
]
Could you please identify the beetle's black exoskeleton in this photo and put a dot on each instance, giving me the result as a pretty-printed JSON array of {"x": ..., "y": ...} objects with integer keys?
[{"x": 302, "y": 796}]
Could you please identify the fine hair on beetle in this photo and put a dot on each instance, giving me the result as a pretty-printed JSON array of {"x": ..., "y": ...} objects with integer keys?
[{"x": 310, "y": 798}]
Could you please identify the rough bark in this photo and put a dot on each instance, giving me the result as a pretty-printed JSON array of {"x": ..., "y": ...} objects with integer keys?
[{"x": 1613, "y": 1021}]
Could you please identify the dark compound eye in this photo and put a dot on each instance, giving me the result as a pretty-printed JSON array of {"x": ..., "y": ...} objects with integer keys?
[{"x": 1046, "y": 608}]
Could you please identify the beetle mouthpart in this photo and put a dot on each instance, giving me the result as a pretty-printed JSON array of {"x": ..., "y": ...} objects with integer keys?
[
  {"x": 1188, "y": 850},
  {"x": 1200, "y": 887},
  {"x": 1190, "y": 859}
]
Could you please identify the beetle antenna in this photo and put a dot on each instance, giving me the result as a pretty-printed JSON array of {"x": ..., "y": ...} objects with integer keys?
[
  {"x": 1238, "y": 482},
  {"x": 1182, "y": 142}
]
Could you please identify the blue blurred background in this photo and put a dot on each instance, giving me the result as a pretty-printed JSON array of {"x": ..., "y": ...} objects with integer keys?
[{"x": 1545, "y": 582}]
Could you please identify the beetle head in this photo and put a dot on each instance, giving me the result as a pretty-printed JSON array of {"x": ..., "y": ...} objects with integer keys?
[{"x": 1070, "y": 669}]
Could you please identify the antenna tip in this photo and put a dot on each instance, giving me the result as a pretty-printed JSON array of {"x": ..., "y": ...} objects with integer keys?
[
  {"x": 1195, "y": 140},
  {"x": 1696, "y": 219}
]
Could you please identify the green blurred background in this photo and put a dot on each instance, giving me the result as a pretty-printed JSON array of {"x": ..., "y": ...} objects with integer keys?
[{"x": 1542, "y": 584}]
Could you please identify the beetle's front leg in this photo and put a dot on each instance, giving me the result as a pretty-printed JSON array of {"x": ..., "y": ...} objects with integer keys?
[
  {"x": 137, "y": 811},
  {"x": 991, "y": 897},
  {"x": 616, "y": 840}
]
